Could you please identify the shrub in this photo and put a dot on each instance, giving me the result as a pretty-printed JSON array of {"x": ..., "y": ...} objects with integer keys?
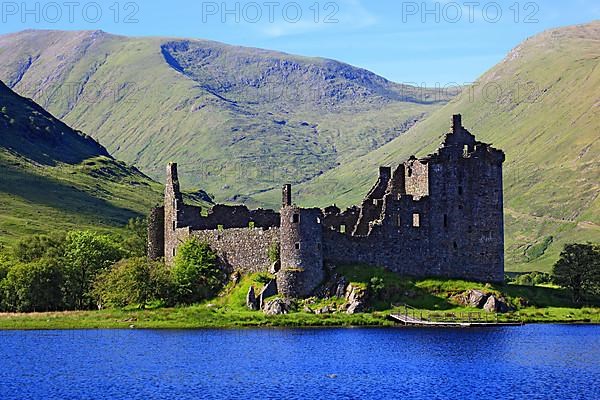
[
  {"x": 196, "y": 274},
  {"x": 135, "y": 281}
]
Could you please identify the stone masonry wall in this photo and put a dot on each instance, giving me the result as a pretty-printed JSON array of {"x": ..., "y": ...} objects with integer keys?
[{"x": 241, "y": 249}]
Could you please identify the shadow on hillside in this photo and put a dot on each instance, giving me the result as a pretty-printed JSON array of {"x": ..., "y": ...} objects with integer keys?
[{"x": 50, "y": 192}]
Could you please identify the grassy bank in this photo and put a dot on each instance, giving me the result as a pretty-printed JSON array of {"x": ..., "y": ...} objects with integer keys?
[{"x": 431, "y": 297}]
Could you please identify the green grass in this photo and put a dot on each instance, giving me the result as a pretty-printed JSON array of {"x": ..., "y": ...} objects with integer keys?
[{"x": 429, "y": 297}]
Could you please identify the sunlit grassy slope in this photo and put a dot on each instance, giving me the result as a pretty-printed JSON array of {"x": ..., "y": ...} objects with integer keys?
[
  {"x": 541, "y": 105},
  {"x": 54, "y": 178},
  {"x": 238, "y": 121}
]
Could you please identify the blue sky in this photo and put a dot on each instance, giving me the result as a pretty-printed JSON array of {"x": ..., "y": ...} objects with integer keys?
[{"x": 423, "y": 42}]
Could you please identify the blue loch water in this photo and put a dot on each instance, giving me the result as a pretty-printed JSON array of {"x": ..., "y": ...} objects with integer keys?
[{"x": 529, "y": 362}]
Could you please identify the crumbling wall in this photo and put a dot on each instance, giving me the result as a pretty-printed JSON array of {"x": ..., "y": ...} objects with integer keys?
[{"x": 372, "y": 205}]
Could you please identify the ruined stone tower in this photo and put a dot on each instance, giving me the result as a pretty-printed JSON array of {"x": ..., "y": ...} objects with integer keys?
[{"x": 301, "y": 248}]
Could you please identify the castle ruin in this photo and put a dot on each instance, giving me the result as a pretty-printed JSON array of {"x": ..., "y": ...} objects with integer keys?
[{"x": 438, "y": 216}]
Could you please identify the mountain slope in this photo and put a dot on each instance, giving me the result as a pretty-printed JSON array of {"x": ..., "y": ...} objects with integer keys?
[
  {"x": 55, "y": 178},
  {"x": 541, "y": 105},
  {"x": 239, "y": 121}
]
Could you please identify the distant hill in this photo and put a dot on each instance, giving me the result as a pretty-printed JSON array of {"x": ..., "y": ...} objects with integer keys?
[
  {"x": 239, "y": 121},
  {"x": 541, "y": 105},
  {"x": 55, "y": 178}
]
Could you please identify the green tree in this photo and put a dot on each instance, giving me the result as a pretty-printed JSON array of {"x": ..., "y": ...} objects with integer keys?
[
  {"x": 578, "y": 269},
  {"x": 135, "y": 281},
  {"x": 85, "y": 255},
  {"x": 136, "y": 242},
  {"x": 37, "y": 246},
  {"x": 33, "y": 287},
  {"x": 196, "y": 274}
]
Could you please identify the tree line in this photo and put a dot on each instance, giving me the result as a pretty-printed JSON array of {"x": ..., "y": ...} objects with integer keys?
[{"x": 85, "y": 270}]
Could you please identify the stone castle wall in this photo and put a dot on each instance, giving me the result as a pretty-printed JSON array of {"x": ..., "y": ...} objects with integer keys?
[
  {"x": 441, "y": 215},
  {"x": 241, "y": 249}
]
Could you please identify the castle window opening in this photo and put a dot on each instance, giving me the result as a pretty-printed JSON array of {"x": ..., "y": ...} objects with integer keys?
[
  {"x": 297, "y": 245},
  {"x": 174, "y": 252},
  {"x": 342, "y": 228},
  {"x": 445, "y": 220},
  {"x": 174, "y": 224},
  {"x": 455, "y": 245},
  {"x": 251, "y": 225},
  {"x": 466, "y": 150},
  {"x": 295, "y": 218},
  {"x": 416, "y": 220},
  {"x": 409, "y": 172},
  {"x": 220, "y": 228},
  {"x": 460, "y": 190}
]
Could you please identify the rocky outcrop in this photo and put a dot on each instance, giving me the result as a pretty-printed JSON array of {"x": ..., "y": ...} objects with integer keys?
[
  {"x": 486, "y": 301},
  {"x": 335, "y": 286},
  {"x": 472, "y": 298},
  {"x": 278, "y": 306},
  {"x": 496, "y": 304},
  {"x": 269, "y": 290},
  {"x": 251, "y": 300},
  {"x": 356, "y": 299}
]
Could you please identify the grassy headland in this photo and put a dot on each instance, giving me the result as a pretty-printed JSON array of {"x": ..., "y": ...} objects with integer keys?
[{"x": 429, "y": 296}]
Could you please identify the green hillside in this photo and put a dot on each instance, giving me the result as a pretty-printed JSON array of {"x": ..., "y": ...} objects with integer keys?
[
  {"x": 239, "y": 121},
  {"x": 55, "y": 178},
  {"x": 541, "y": 106}
]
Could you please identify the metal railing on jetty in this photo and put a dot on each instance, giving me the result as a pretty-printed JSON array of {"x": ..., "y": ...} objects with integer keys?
[{"x": 411, "y": 316}]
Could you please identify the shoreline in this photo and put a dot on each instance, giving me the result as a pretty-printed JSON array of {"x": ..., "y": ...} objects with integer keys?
[{"x": 197, "y": 318}]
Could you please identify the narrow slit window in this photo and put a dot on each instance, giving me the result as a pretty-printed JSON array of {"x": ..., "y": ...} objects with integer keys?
[
  {"x": 460, "y": 190},
  {"x": 251, "y": 225},
  {"x": 220, "y": 228},
  {"x": 455, "y": 245},
  {"x": 174, "y": 224},
  {"x": 298, "y": 246},
  {"x": 445, "y": 220},
  {"x": 416, "y": 220},
  {"x": 174, "y": 252},
  {"x": 295, "y": 218},
  {"x": 466, "y": 150},
  {"x": 342, "y": 228}
]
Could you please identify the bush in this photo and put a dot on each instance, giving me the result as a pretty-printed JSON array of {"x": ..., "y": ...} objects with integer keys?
[
  {"x": 33, "y": 287},
  {"x": 196, "y": 275},
  {"x": 136, "y": 281}
]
